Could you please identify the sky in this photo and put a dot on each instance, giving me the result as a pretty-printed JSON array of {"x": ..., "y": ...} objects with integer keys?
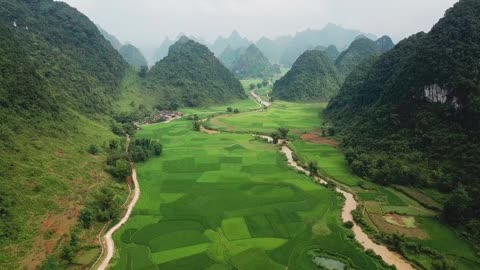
[{"x": 147, "y": 22}]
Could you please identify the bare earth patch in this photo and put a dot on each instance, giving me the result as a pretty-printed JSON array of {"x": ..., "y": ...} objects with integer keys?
[
  {"x": 402, "y": 221},
  {"x": 380, "y": 222},
  {"x": 315, "y": 138},
  {"x": 208, "y": 131}
]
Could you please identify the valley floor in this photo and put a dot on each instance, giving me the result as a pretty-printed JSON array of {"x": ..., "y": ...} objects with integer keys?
[{"x": 230, "y": 201}]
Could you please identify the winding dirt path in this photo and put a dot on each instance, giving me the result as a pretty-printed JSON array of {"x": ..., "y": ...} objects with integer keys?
[{"x": 108, "y": 239}]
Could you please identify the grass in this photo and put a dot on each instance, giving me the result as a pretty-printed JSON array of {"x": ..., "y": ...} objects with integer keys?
[
  {"x": 297, "y": 117},
  {"x": 331, "y": 161},
  {"x": 227, "y": 200},
  {"x": 254, "y": 212},
  {"x": 49, "y": 177}
]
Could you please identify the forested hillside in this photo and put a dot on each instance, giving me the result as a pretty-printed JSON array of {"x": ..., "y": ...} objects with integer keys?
[
  {"x": 313, "y": 77},
  {"x": 417, "y": 108},
  {"x": 332, "y": 52},
  {"x": 191, "y": 76},
  {"x": 360, "y": 50},
  {"x": 133, "y": 56},
  {"x": 111, "y": 38},
  {"x": 58, "y": 79},
  {"x": 251, "y": 63}
]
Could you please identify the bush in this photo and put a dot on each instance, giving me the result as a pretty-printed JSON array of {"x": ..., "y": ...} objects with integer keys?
[
  {"x": 93, "y": 149},
  {"x": 121, "y": 169},
  {"x": 348, "y": 224},
  {"x": 86, "y": 217},
  {"x": 236, "y": 110}
]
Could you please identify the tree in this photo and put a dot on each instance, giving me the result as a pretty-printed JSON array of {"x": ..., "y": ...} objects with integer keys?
[
  {"x": 275, "y": 137},
  {"x": 143, "y": 72},
  {"x": 51, "y": 263},
  {"x": 137, "y": 154},
  {"x": 283, "y": 132},
  {"x": 259, "y": 85},
  {"x": 457, "y": 209},
  {"x": 252, "y": 86},
  {"x": 236, "y": 110},
  {"x": 157, "y": 148},
  {"x": 197, "y": 125},
  {"x": 93, "y": 149},
  {"x": 229, "y": 109},
  {"x": 113, "y": 145},
  {"x": 313, "y": 168},
  {"x": 121, "y": 169},
  {"x": 86, "y": 217},
  {"x": 265, "y": 82}
]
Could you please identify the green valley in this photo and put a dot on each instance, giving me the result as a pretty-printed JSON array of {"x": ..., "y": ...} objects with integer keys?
[{"x": 328, "y": 148}]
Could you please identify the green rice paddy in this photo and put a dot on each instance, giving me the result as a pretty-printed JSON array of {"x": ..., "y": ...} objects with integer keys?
[{"x": 228, "y": 201}]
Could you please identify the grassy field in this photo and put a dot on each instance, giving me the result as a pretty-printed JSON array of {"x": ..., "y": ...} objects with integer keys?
[
  {"x": 299, "y": 118},
  {"x": 242, "y": 105},
  {"x": 330, "y": 161},
  {"x": 227, "y": 201}
]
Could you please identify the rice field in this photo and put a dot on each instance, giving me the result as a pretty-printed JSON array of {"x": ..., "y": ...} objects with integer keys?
[
  {"x": 298, "y": 117},
  {"x": 228, "y": 201}
]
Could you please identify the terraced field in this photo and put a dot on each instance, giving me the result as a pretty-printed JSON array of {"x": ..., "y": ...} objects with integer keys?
[{"x": 228, "y": 201}]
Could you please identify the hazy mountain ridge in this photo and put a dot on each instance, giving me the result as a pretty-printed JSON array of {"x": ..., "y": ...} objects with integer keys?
[
  {"x": 251, "y": 63},
  {"x": 133, "y": 56}
]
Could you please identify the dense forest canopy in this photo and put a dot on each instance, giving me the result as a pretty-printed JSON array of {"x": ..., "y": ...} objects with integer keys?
[
  {"x": 420, "y": 101},
  {"x": 191, "y": 76},
  {"x": 313, "y": 77},
  {"x": 360, "y": 50}
]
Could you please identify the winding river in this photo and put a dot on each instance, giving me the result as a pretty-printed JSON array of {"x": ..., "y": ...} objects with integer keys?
[{"x": 351, "y": 204}]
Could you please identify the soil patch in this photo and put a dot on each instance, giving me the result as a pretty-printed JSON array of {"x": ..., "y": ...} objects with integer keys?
[
  {"x": 391, "y": 228},
  {"x": 402, "y": 221},
  {"x": 208, "y": 131},
  {"x": 315, "y": 138}
]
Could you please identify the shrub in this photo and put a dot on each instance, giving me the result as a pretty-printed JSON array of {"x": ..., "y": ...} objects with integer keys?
[
  {"x": 348, "y": 224},
  {"x": 93, "y": 149}
]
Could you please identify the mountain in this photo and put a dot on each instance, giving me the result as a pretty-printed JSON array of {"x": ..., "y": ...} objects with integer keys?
[
  {"x": 312, "y": 78},
  {"x": 235, "y": 41},
  {"x": 332, "y": 52},
  {"x": 133, "y": 56},
  {"x": 59, "y": 77},
  {"x": 191, "y": 75},
  {"x": 417, "y": 108},
  {"x": 162, "y": 51},
  {"x": 273, "y": 49},
  {"x": 111, "y": 38},
  {"x": 331, "y": 34},
  {"x": 385, "y": 44},
  {"x": 230, "y": 55},
  {"x": 252, "y": 63},
  {"x": 360, "y": 50}
]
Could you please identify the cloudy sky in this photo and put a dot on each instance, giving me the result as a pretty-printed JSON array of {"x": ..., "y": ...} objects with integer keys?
[{"x": 147, "y": 22}]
